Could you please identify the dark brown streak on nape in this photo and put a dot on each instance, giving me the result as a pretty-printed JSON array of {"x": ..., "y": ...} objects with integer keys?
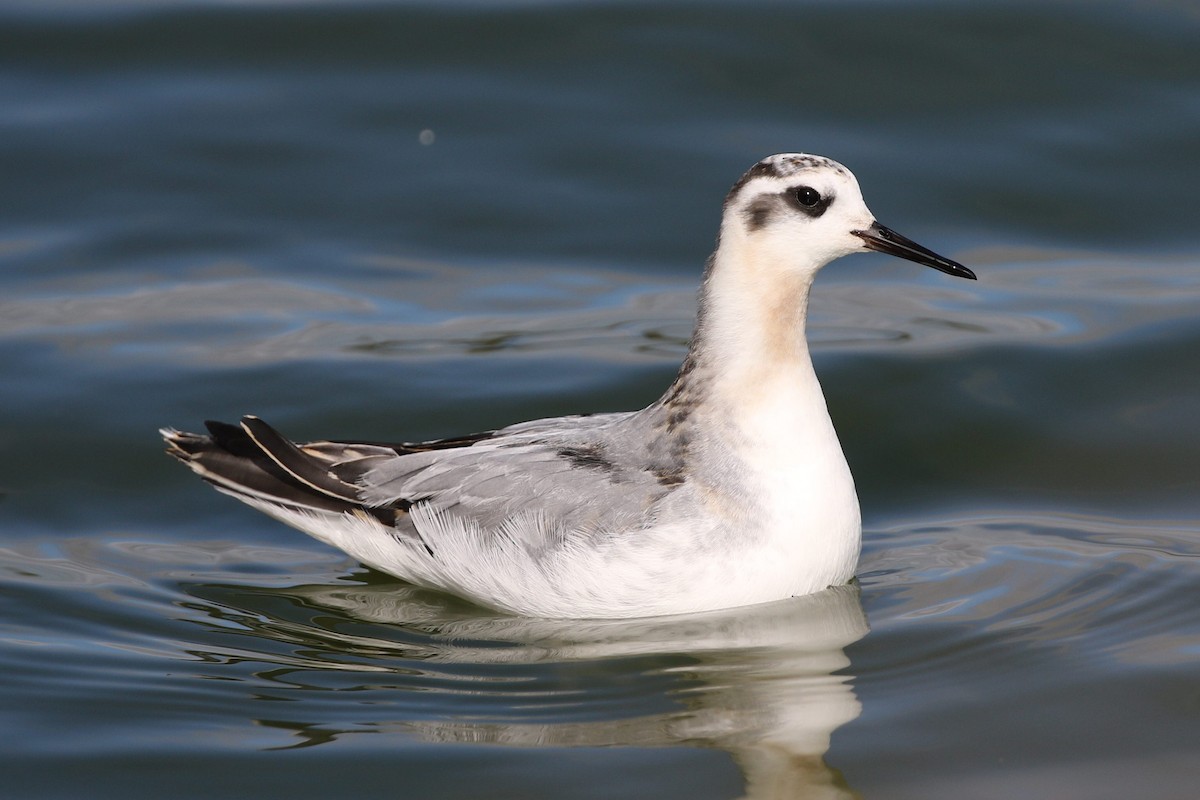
[
  {"x": 668, "y": 463},
  {"x": 672, "y": 431},
  {"x": 679, "y": 386},
  {"x": 681, "y": 397}
]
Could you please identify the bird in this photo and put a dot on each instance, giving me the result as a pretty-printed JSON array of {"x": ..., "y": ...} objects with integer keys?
[{"x": 730, "y": 489}]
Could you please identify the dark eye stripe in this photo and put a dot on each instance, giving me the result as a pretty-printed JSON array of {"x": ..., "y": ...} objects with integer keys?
[{"x": 808, "y": 200}]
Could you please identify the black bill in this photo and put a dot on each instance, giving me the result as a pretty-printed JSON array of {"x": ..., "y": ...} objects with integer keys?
[{"x": 886, "y": 240}]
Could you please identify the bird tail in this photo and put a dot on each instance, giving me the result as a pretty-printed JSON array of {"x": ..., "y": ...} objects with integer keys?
[{"x": 255, "y": 463}]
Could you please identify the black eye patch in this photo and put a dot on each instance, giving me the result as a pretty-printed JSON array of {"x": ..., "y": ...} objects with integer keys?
[{"x": 808, "y": 200}]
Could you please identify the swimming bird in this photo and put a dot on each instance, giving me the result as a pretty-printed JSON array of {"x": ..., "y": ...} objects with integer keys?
[{"x": 728, "y": 490}]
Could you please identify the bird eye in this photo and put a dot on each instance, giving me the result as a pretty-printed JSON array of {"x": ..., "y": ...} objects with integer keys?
[{"x": 807, "y": 196}]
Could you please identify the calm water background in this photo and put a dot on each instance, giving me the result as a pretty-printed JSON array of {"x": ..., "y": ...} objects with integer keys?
[{"x": 406, "y": 220}]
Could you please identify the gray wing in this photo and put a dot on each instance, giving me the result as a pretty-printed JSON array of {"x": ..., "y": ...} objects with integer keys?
[
  {"x": 586, "y": 475},
  {"x": 594, "y": 475}
]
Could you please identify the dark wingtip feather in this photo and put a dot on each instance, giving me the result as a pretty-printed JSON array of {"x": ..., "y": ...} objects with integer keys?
[
  {"x": 233, "y": 460},
  {"x": 183, "y": 445},
  {"x": 231, "y": 438},
  {"x": 295, "y": 461}
]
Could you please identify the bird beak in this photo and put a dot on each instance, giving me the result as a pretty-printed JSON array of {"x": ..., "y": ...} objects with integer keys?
[{"x": 886, "y": 240}]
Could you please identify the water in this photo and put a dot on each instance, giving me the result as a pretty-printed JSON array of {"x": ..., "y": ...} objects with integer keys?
[{"x": 406, "y": 220}]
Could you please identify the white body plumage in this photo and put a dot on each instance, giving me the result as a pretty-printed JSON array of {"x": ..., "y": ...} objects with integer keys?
[{"x": 730, "y": 489}]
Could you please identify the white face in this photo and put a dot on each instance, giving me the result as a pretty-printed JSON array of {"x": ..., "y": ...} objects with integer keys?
[
  {"x": 798, "y": 212},
  {"x": 804, "y": 205}
]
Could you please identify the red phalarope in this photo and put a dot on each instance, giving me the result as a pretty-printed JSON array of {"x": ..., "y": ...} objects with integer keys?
[{"x": 730, "y": 489}]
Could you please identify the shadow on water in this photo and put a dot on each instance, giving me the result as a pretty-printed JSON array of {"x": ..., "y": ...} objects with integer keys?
[{"x": 767, "y": 684}]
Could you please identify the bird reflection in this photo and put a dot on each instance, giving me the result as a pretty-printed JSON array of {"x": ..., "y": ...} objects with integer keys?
[{"x": 765, "y": 683}]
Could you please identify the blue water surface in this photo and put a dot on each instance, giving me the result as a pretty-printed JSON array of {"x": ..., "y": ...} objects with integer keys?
[{"x": 403, "y": 220}]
